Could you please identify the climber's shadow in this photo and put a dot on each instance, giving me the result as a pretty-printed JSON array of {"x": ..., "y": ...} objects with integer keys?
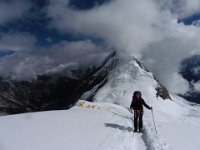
[{"x": 116, "y": 126}]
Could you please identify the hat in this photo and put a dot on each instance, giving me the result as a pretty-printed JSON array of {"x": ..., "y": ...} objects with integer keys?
[{"x": 137, "y": 93}]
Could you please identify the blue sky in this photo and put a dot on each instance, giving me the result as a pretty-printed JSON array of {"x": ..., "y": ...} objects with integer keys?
[{"x": 190, "y": 19}]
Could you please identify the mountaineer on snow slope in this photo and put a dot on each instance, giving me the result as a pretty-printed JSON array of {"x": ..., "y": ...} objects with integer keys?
[{"x": 137, "y": 106}]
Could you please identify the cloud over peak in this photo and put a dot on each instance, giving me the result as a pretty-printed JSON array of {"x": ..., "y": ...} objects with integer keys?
[
  {"x": 25, "y": 65},
  {"x": 146, "y": 29}
]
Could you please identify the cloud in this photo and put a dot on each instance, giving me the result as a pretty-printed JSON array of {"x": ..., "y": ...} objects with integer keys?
[
  {"x": 125, "y": 24},
  {"x": 26, "y": 65},
  {"x": 179, "y": 85},
  {"x": 197, "y": 86},
  {"x": 147, "y": 29},
  {"x": 181, "y": 8},
  {"x": 12, "y": 10},
  {"x": 165, "y": 56},
  {"x": 196, "y": 70},
  {"x": 17, "y": 41}
]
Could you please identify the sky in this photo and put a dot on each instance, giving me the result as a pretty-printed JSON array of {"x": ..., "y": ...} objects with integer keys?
[{"x": 40, "y": 36}]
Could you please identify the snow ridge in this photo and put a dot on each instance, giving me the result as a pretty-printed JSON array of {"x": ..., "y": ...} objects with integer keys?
[
  {"x": 125, "y": 79},
  {"x": 123, "y": 130}
]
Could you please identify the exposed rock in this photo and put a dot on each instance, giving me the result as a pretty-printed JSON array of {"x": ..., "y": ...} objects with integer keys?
[{"x": 55, "y": 91}]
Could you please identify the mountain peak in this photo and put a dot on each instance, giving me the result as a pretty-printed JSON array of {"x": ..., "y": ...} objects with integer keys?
[{"x": 128, "y": 76}]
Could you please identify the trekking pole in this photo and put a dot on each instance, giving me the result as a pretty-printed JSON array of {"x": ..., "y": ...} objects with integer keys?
[{"x": 154, "y": 121}]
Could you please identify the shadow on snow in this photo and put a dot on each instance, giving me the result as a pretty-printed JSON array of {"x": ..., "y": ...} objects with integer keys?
[{"x": 116, "y": 126}]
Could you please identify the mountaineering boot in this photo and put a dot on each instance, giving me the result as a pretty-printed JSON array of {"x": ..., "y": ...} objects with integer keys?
[
  {"x": 135, "y": 130},
  {"x": 141, "y": 130}
]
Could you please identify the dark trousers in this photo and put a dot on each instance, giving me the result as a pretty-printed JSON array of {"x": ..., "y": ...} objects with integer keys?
[{"x": 138, "y": 124}]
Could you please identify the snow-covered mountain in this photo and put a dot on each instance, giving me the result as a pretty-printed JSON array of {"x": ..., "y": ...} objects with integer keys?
[
  {"x": 61, "y": 90},
  {"x": 130, "y": 75},
  {"x": 57, "y": 90},
  {"x": 103, "y": 125}
]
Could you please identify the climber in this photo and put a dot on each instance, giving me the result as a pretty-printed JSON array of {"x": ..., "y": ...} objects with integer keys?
[{"x": 137, "y": 106}]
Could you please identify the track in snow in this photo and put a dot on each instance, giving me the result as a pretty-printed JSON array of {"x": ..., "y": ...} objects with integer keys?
[{"x": 139, "y": 143}]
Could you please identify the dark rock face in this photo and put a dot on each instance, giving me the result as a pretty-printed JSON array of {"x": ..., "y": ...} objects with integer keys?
[
  {"x": 162, "y": 92},
  {"x": 108, "y": 65},
  {"x": 50, "y": 92},
  {"x": 190, "y": 70},
  {"x": 47, "y": 92}
]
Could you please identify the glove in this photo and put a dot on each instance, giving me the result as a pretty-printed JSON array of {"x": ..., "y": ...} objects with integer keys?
[
  {"x": 151, "y": 108},
  {"x": 130, "y": 110}
]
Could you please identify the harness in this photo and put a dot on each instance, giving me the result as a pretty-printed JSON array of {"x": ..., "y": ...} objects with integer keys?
[{"x": 138, "y": 112}]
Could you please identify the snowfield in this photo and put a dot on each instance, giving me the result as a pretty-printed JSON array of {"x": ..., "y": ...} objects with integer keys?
[
  {"x": 102, "y": 126},
  {"x": 105, "y": 127},
  {"x": 107, "y": 124}
]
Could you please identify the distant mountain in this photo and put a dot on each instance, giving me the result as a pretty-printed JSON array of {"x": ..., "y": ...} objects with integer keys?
[
  {"x": 53, "y": 91},
  {"x": 61, "y": 90},
  {"x": 190, "y": 70}
]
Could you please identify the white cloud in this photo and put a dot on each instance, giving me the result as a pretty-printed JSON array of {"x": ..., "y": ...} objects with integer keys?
[
  {"x": 75, "y": 51},
  {"x": 125, "y": 24},
  {"x": 12, "y": 10},
  {"x": 147, "y": 29},
  {"x": 17, "y": 41},
  {"x": 168, "y": 53},
  {"x": 26, "y": 65},
  {"x": 181, "y": 8},
  {"x": 196, "y": 70},
  {"x": 196, "y": 23},
  {"x": 197, "y": 86},
  {"x": 179, "y": 85}
]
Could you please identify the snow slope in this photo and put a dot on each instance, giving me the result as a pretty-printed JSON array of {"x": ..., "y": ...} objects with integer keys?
[
  {"x": 102, "y": 126},
  {"x": 124, "y": 80},
  {"x": 178, "y": 122},
  {"x": 105, "y": 126}
]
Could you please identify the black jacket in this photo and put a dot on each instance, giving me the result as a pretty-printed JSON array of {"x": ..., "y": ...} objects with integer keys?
[{"x": 137, "y": 104}]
